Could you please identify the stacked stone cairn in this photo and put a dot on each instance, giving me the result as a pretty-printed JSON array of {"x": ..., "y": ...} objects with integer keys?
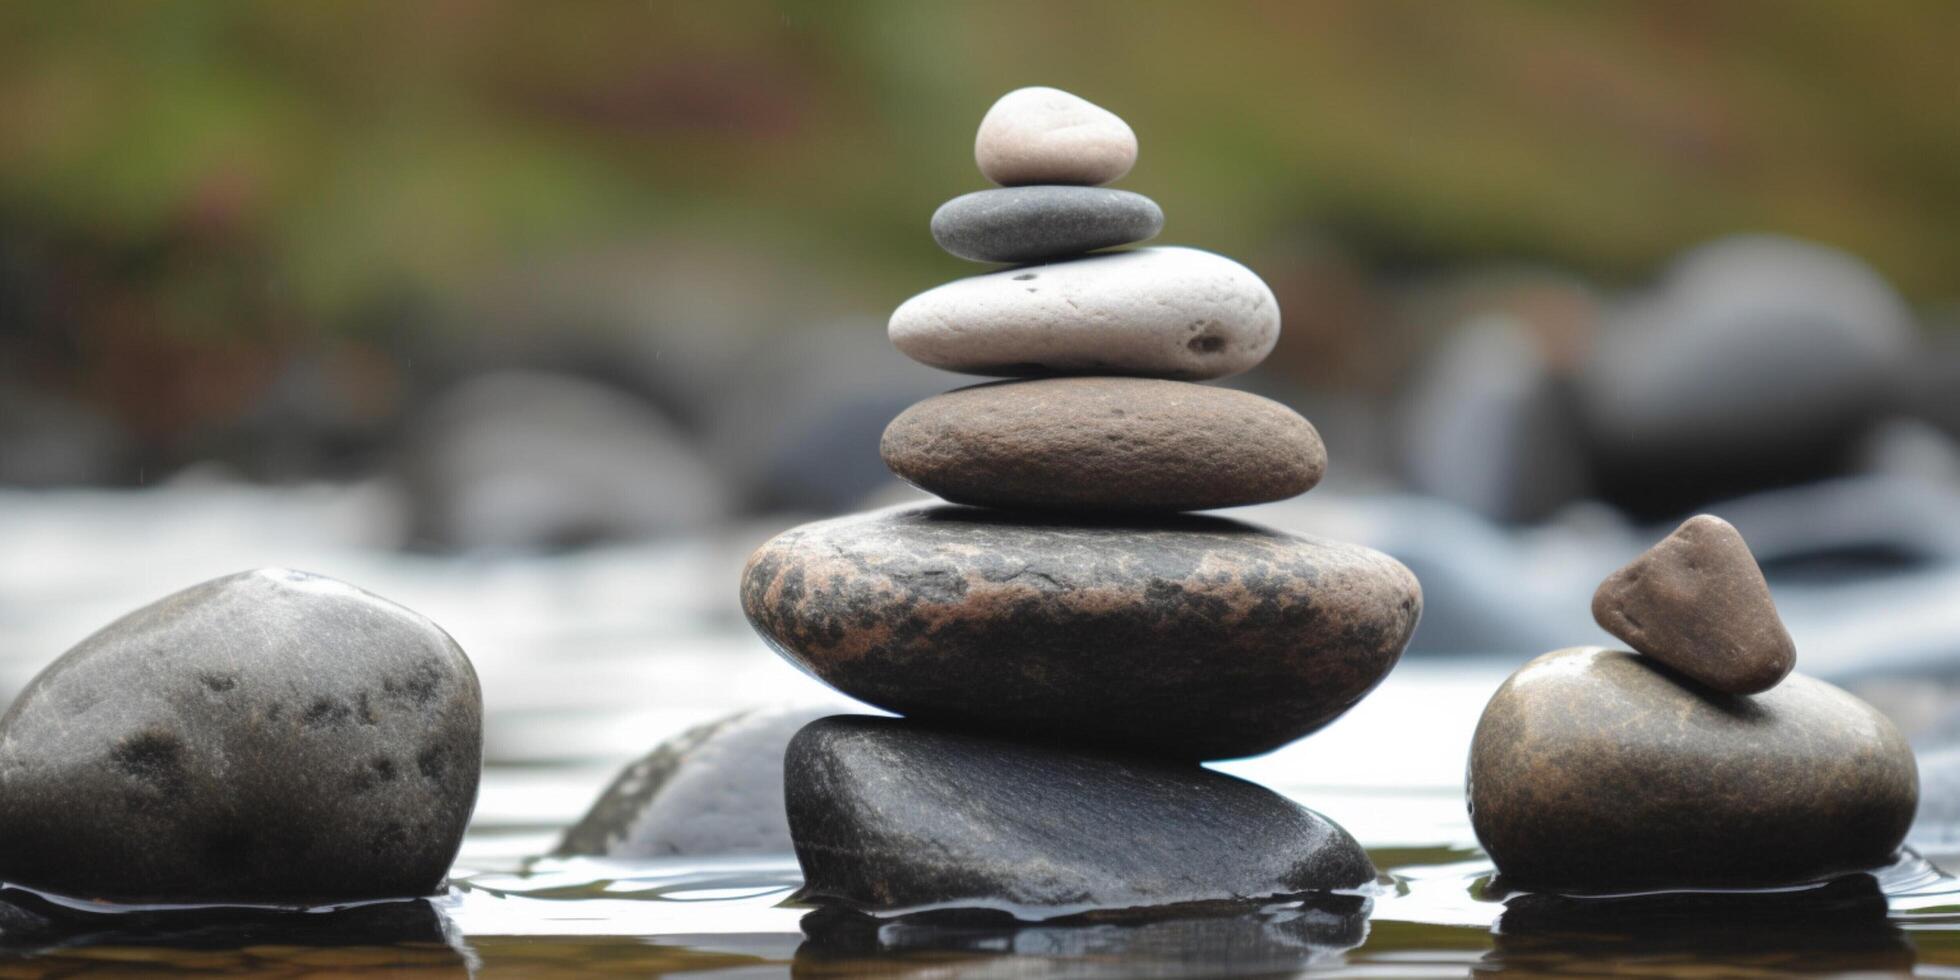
[
  {"x": 1696, "y": 760},
  {"x": 1064, "y": 642}
]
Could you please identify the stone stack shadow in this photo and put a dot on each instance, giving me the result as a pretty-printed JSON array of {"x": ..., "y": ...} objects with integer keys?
[{"x": 1065, "y": 643}]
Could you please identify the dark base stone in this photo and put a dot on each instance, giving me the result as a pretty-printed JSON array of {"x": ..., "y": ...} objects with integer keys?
[
  {"x": 890, "y": 816},
  {"x": 1280, "y": 939}
]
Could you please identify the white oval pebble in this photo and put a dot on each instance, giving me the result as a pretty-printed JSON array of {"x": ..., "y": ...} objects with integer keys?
[
  {"x": 1154, "y": 312},
  {"x": 1041, "y": 135}
]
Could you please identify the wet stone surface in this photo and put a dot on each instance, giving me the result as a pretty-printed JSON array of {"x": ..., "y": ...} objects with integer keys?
[
  {"x": 1105, "y": 444},
  {"x": 713, "y": 789},
  {"x": 1698, "y": 603},
  {"x": 1188, "y": 637},
  {"x": 1601, "y": 771},
  {"x": 270, "y": 736},
  {"x": 891, "y": 815}
]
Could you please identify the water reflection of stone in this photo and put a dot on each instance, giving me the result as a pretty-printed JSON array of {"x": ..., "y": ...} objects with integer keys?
[
  {"x": 407, "y": 935},
  {"x": 1837, "y": 928},
  {"x": 1272, "y": 939}
]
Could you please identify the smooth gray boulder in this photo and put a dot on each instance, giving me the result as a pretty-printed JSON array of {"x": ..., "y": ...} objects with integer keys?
[{"x": 268, "y": 737}]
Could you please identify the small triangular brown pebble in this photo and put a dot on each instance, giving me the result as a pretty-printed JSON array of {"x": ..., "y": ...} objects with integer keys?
[{"x": 1697, "y": 602}]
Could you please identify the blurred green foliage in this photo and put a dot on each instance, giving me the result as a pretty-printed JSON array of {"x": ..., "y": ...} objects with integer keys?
[{"x": 252, "y": 166}]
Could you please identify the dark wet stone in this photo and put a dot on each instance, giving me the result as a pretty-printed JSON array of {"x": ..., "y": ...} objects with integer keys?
[
  {"x": 1104, "y": 444},
  {"x": 270, "y": 736},
  {"x": 1596, "y": 770},
  {"x": 1698, "y": 603},
  {"x": 1189, "y": 637},
  {"x": 1049, "y": 221},
  {"x": 1280, "y": 939},
  {"x": 713, "y": 789},
  {"x": 889, "y": 815}
]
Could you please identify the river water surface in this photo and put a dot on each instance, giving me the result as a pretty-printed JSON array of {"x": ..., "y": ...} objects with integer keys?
[{"x": 589, "y": 660}]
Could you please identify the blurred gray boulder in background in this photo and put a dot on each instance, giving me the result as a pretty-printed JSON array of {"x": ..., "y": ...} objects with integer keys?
[
  {"x": 1489, "y": 426},
  {"x": 525, "y": 460},
  {"x": 798, "y": 428},
  {"x": 50, "y": 441},
  {"x": 1758, "y": 362}
]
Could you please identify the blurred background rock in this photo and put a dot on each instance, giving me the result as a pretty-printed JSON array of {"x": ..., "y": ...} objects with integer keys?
[{"x": 489, "y": 279}]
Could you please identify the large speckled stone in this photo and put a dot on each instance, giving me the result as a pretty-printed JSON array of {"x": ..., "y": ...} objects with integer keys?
[
  {"x": 1164, "y": 312},
  {"x": 1597, "y": 770},
  {"x": 889, "y": 815},
  {"x": 1034, "y": 224},
  {"x": 270, "y": 736},
  {"x": 713, "y": 789},
  {"x": 1107, "y": 444},
  {"x": 1188, "y": 637},
  {"x": 1698, "y": 603},
  {"x": 1041, "y": 135}
]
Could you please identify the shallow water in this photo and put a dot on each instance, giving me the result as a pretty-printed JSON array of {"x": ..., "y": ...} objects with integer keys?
[{"x": 589, "y": 660}]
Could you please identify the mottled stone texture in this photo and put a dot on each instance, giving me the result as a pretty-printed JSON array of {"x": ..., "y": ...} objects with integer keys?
[
  {"x": 888, "y": 815},
  {"x": 1041, "y": 135},
  {"x": 1105, "y": 444},
  {"x": 1033, "y": 224},
  {"x": 270, "y": 736},
  {"x": 713, "y": 789},
  {"x": 1596, "y": 770},
  {"x": 1188, "y": 637},
  {"x": 1698, "y": 603}
]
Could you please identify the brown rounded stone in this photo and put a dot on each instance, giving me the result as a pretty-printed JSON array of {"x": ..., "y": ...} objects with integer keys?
[
  {"x": 1187, "y": 637},
  {"x": 1602, "y": 771},
  {"x": 1697, "y": 602},
  {"x": 1135, "y": 444}
]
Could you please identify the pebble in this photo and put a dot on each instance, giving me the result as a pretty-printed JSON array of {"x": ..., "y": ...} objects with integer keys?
[
  {"x": 1182, "y": 636},
  {"x": 1041, "y": 135},
  {"x": 270, "y": 736},
  {"x": 1035, "y": 224},
  {"x": 1596, "y": 771},
  {"x": 1128, "y": 444},
  {"x": 1698, "y": 603},
  {"x": 711, "y": 790},
  {"x": 1164, "y": 311},
  {"x": 889, "y": 816}
]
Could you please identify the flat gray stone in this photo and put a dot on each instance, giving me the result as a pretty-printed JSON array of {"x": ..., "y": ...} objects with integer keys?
[
  {"x": 1048, "y": 221},
  {"x": 890, "y": 816},
  {"x": 270, "y": 736},
  {"x": 1179, "y": 636},
  {"x": 713, "y": 789},
  {"x": 1165, "y": 312},
  {"x": 1602, "y": 771}
]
